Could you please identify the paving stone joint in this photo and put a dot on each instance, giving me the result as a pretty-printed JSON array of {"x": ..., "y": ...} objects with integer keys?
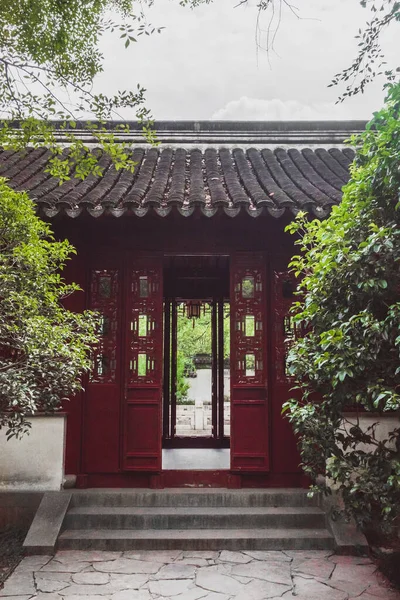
[{"x": 197, "y": 575}]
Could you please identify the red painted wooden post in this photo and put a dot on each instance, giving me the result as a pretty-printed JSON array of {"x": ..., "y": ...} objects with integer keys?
[
  {"x": 249, "y": 411},
  {"x": 174, "y": 365},
  {"x": 143, "y": 364},
  {"x": 214, "y": 370},
  {"x": 220, "y": 346},
  {"x": 167, "y": 370}
]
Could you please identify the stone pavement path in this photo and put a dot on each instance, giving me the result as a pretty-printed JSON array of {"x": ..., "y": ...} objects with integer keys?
[{"x": 192, "y": 575}]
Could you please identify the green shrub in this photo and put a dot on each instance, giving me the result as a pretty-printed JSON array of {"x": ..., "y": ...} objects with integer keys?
[
  {"x": 349, "y": 307},
  {"x": 44, "y": 348}
]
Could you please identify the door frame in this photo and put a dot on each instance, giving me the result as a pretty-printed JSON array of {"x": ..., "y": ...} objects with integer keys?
[{"x": 170, "y": 348}]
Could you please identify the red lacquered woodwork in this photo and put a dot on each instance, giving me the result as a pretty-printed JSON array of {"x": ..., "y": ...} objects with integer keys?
[
  {"x": 101, "y": 411},
  {"x": 249, "y": 415},
  {"x": 286, "y": 457},
  {"x": 114, "y": 433},
  {"x": 143, "y": 366}
]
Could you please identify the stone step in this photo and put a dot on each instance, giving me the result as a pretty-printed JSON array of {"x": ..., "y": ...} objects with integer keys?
[
  {"x": 196, "y": 539},
  {"x": 193, "y": 518},
  {"x": 180, "y": 497}
]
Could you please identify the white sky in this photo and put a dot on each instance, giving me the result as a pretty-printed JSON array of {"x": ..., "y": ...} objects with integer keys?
[{"x": 205, "y": 64}]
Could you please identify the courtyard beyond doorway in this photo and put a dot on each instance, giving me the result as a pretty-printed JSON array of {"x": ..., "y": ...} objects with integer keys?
[{"x": 198, "y": 459}]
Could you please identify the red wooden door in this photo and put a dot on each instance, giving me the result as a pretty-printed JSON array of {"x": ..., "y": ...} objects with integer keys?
[
  {"x": 286, "y": 458},
  {"x": 249, "y": 414},
  {"x": 143, "y": 366},
  {"x": 101, "y": 428}
]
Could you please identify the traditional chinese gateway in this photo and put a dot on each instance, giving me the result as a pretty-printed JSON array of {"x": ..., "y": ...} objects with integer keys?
[{"x": 200, "y": 221}]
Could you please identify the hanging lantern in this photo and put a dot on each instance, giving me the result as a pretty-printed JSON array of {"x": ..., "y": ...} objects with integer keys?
[{"x": 193, "y": 308}]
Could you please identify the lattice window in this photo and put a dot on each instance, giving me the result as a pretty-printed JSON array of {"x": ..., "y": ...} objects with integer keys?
[
  {"x": 144, "y": 328},
  {"x": 248, "y": 309},
  {"x": 104, "y": 290},
  {"x": 286, "y": 331}
]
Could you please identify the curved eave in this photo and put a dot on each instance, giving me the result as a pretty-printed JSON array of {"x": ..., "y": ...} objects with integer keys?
[
  {"x": 96, "y": 212},
  {"x": 269, "y": 181}
]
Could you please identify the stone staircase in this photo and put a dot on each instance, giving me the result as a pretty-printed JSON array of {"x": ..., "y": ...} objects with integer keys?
[{"x": 194, "y": 519}]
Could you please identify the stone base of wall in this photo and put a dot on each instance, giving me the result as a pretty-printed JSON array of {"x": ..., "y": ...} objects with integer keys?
[
  {"x": 34, "y": 463},
  {"x": 18, "y": 508}
]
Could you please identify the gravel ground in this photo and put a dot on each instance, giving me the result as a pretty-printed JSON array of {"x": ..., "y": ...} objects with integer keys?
[{"x": 11, "y": 553}]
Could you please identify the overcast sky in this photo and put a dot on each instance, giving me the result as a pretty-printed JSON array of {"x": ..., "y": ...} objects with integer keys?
[{"x": 205, "y": 63}]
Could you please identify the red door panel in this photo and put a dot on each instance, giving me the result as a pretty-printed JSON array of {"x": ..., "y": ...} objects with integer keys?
[
  {"x": 286, "y": 458},
  {"x": 249, "y": 410},
  {"x": 143, "y": 366},
  {"x": 102, "y": 401}
]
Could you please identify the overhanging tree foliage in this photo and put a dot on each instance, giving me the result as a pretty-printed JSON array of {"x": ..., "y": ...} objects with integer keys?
[
  {"x": 49, "y": 58},
  {"x": 350, "y": 308},
  {"x": 44, "y": 348}
]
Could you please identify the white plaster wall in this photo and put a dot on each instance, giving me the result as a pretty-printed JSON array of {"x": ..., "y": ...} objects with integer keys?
[
  {"x": 35, "y": 462},
  {"x": 385, "y": 424}
]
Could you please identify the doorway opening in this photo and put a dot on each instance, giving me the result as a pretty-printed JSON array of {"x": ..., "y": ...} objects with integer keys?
[{"x": 196, "y": 386}]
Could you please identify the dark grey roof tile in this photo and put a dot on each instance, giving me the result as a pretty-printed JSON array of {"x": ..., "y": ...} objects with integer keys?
[
  {"x": 196, "y": 192},
  {"x": 349, "y": 153},
  {"x": 237, "y": 195},
  {"x": 80, "y": 191},
  {"x": 127, "y": 179},
  {"x": 23, "y": 165},
  {"x": 327, "y": 159},
  {"x": 340, "y": 157},
  {"x": 144, "y": 178},
  {"x": 282, "y": 180},
  {"x": 175, "y": 192},
  {"x": 8, "y": 158},
  {"x": 323, "y": 170},
  {"x": 156, "y": 193},
  {"x": 214, "y": 178},
  {"x": 304, "y": 184},
  {"x": 232, "y": 181},
  {"x": 36, "y": 167},
  {"x": 274, "y": 194},
  {"x": 312, "y": 175}
]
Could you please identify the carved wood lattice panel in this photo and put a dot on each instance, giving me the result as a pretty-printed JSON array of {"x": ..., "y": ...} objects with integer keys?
[
  {"x": 145, "y": 328},
  {"x": 104, "y": 291},
  {"x": 248, "y": 322},
  {"x": 286, "y": 331}
]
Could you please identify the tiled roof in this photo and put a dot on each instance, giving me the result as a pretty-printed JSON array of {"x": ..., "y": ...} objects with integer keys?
[{"x": 210, "y": 180}]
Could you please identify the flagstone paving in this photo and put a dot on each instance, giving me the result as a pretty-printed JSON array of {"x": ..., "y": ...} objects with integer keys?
[{"x": 225, "y": 575}]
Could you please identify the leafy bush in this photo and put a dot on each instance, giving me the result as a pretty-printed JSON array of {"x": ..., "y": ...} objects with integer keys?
[
  {"x": 44, "y": 348},
  {"x": 349, "y": 307},
  {"x": 182, "y": 386}
]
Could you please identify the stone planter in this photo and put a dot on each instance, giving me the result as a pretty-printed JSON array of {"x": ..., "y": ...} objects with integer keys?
[
  {"x": 385, "y": 423},
  {"x": 35, "y": 462}
]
